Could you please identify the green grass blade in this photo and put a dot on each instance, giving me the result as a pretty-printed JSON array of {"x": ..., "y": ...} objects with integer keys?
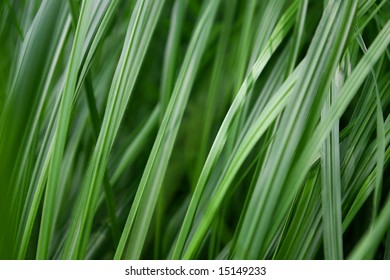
[
  {"x": 171, "y": 52},
  {"x": 32, "y": 201},
  {"x": 139, "y": 33},
  {"x": 213, "y": 95},
  {"x": 22, "y": 93},
  {"x": 334, "y": 28},
  {"x": 135, "y": 147},
  {"x": 189, "y": 129},
  {"x": 280, "y": 32},
  {"x": 347, "y": 92},
  {"x": 331, "y": 184},
  {"x": 142, "y": 209},
  {"x": 47, "y": 224},
  {"x": 370, "y": 241},
  {"x": 380, "y": 138}
]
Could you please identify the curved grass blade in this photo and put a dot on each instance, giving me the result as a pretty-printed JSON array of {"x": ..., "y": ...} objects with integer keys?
[
  {"x": 366, "y": 248},
  {"x": 48, "y": 222},
  {"x": 39, "y": 175},
  {"x": 96, "y": 124},
  {"x": 144, "y": 203},
  {"x": 212, "y": 96},
  {"x": 380, "y": 138},
  {"x": 265, "y": 119},
  {"x": 29, "y": 70},
  {"x": 136, "y": 145},
  {"x": 34, "y": 195},
  {"x": 141, "y": 27},
  {"x": 276, "y": 38},
  {"x": 305, "y": 104},
  {"x": 347, "y": 92}
]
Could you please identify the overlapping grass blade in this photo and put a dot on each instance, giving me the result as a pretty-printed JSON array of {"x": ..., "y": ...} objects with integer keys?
[
  {"x": 136, "y": 145},
  {"x": 39, "y": 175},
  {"x": 213, "y": 95},
  {"x": 255, "y": 130},
  {"x": 150, "y": 185},
  {"x": 35, "y": 190},
  {"x": 351, "y": 86},
  {"x": 280, "y": 31},
  {"x": 334, "y": 29},
  {"x": 347, "y": 92},
  {"x": 48, "y": 221},
  {"x": 370, "y": 241},
  {"x": 29, "y": 70},
  {"x": 141, "y": 27}
]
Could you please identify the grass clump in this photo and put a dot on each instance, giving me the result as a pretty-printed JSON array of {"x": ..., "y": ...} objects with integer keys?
[{"x": 186, "y": 129}]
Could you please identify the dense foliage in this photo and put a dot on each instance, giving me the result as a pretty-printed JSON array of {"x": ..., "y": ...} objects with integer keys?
[{"x": 189, "y": 129}]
